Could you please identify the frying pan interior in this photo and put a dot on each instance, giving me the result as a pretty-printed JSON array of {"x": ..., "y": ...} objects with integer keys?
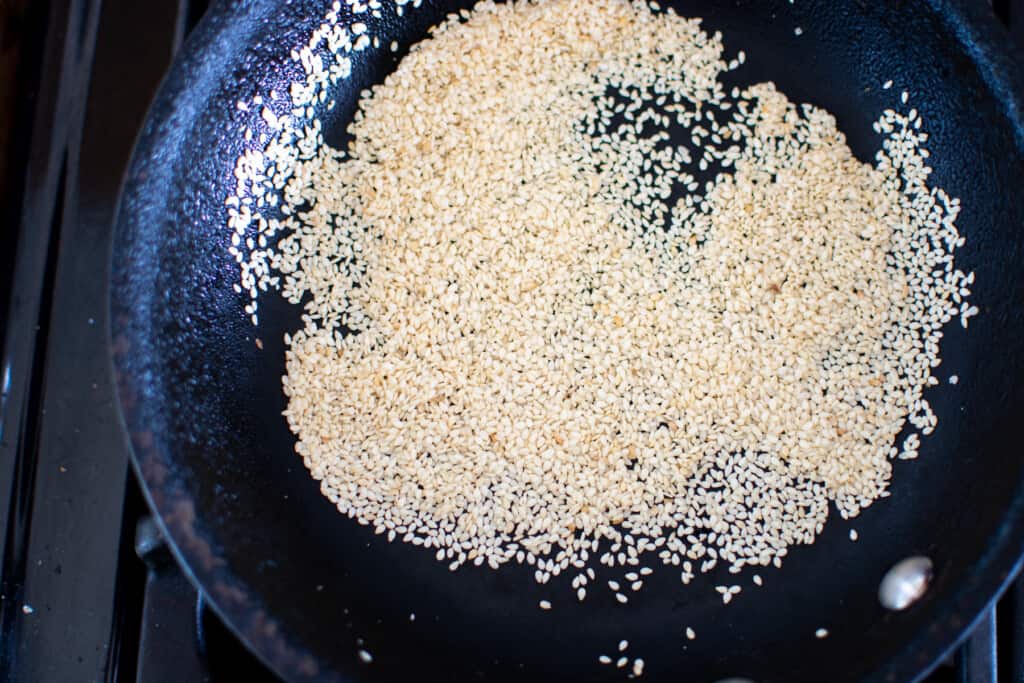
[{"x": 306, "y": 588}]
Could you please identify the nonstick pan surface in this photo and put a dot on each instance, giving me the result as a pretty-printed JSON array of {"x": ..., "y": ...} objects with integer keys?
[{"x": 306, "y": 588}]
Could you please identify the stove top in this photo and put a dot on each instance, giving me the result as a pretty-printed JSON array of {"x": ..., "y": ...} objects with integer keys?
[{"x": 87, "y": 590}]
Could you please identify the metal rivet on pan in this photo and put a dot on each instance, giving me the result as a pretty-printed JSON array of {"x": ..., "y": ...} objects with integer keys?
[{"x": 905, "y": 583}]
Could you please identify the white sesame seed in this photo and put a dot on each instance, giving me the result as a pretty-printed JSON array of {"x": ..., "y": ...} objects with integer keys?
[
  {"x": 638, "y": 667},
  {"x": 623, "y": 644},
  {"x": 544, "y": 604},
  {"x": 690, "y": 633},
  {"x": 821, "y": 633},
  {"x": 558, "y": 311}
]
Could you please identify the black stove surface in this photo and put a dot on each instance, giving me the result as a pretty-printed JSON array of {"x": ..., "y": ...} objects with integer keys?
[{"x": 87, "y": 591}]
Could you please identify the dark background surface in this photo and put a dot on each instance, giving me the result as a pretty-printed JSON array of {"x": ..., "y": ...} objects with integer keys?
[{"x": 75, "y": 80}]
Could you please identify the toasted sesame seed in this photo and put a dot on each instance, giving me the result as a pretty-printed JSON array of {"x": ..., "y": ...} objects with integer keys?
[
  {"x": 514, "y": 246},
  {"x": 638, "y": 667}
]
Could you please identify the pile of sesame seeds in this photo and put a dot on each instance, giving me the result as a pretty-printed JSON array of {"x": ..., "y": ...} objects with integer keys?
[{"x": 569, "y": 302}]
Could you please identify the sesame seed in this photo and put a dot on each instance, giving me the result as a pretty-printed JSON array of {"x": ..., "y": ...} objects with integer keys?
[
  {"x": 821, "y": 633},
  {"x": 638, "y": 667},
  {"x": 853, "y": 534},
  {"x": 544, "y": 604},
  {"x": 623, "y": 644},
  {"x": 479, "y": 286},
  {"x": 604, "y": 659},
  {"x": 365, "y": 657},
  {"x": 690, "y": 633}
]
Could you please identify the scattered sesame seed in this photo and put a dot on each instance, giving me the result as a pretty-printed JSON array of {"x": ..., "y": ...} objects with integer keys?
[
  {"x": 27, "y": 609},
  {"x": 623, "y": 661},
  {"x": 623, "y": 644},
  {"x": 604, "y": 659},
  {"x": 853, "y": 534},
  {"x": 954, "y": 379},
  {"x": 758, "y": 581},
  {"x": 821, "y": 633},
  {"x": 365, "y": 657},
  {"x": 690, "y": 633},
  {"x": 544, "y": 604},
  {"x": 638, "y": 667},
  {"x": 465, "y": 244},
  {"x": 887, "y": 85}
]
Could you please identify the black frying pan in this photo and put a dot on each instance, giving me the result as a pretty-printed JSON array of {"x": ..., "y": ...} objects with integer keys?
[{"x": 306, "y": 588}]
